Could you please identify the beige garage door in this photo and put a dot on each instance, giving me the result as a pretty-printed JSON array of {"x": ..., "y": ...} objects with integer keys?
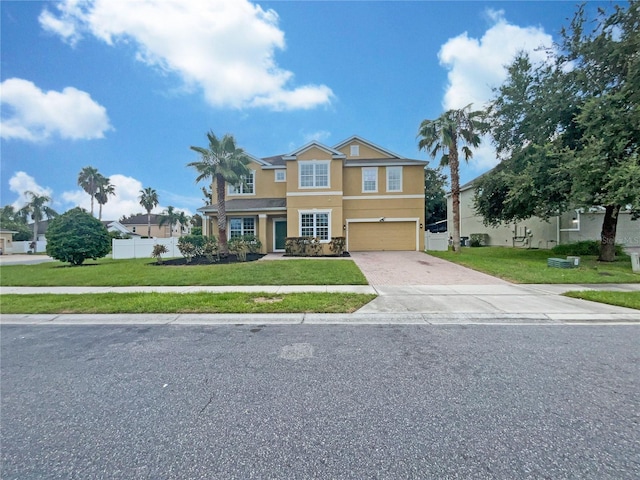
[{"x": 382, "y": 236}]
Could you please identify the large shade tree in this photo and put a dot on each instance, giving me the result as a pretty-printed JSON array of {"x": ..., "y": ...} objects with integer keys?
[
  {"x": 149, "y": 200},
  {"x": 88, "y": 179},
  {"x": 38, "y": 210},
  {"x": 221, "y": 162},
  {"x": 442, "y": 137},
  {"x": 568, "y": 130},
  {"x": 104, "y": 190}
]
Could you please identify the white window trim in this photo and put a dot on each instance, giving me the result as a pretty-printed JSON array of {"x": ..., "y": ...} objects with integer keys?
[
  {"x": 328, "y": 212},
  {"x": 230, "y": 188},
  {"x": 369, "y": 169},
  {"x": 388, "y": 169},
  {"x": 275, "y": 175},
  {"x": 314, "y": 162},
  {"x": 243, "y": 232},
  {"x": 354, "y": 150}
]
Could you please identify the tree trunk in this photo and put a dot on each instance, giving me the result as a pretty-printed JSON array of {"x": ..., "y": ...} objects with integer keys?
[
  {"x": 608, "y": 234},
  {"x": 100, "y": 213},
  {"x": 148, "y": 223},
  {"x": 222, "y": 216},
  {"x": 454, "y": 167},
  {"x": 35, "y": 235}
]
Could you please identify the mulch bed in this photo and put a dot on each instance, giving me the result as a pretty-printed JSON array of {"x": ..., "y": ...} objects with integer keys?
[{"x": 251, "y": 257}]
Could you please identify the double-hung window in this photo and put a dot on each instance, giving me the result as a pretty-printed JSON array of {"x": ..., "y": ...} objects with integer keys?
[
  {"x": 315, "y": 225},
  {"x": 370, "y": 179},
  {"x": 241, "y": 226},
  {"x": 394, "y": 179},
  {"x": 314, "y": 174},
  {"x": 246, "y": 187}
]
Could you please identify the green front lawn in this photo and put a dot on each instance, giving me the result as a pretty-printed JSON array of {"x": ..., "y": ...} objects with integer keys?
[
  {"x": 621, "y": 299},
  {"x": 145, "y": 272},
  {"x": 201, "y": 302},
  {"x": 530, "y": 266}
]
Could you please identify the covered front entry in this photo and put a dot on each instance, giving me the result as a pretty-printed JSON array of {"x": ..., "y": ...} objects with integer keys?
[{"x": 378, "y": 236}]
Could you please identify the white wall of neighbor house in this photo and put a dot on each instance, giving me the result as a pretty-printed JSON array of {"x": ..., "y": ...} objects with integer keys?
[{"x": 571, "y": 226}]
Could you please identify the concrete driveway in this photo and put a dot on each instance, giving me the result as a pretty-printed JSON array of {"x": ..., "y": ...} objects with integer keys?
[
  {"x": 24, "y": 259},
  {"x": 417, "y": 268}
]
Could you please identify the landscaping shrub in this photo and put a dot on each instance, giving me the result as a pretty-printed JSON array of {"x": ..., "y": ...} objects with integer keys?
[
  {"x": 337, "y": 245},
  {"x": 75, "y": 236},
  {"x": 191, "y": 246},
  {"x": 478, "y": 240},
  {"x": 157, "y": 252},
  {"x": 585, "y": 247}
]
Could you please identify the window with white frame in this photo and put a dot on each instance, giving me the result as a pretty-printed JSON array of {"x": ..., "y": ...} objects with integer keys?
[
  {"x": 370, "y": 179},
  {"x": 241, "y": 226},
  {"x": 314, "y": 174},
  {"x": 394, "y": 179},
  {"x": 247, "y": 187},
  {"x": 355, "y": 150},
  {"x": 281, "y": 175},
  {"x": 315, "y": 224}
]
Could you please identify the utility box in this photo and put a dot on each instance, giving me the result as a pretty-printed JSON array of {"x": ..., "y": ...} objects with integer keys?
[
  {"x": 635, "y": 262},
  {"x": 574, "y": 260}
]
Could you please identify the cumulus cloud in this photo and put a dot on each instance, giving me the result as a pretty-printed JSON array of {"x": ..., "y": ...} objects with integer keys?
[
  {"x": 320, "y": 136},
  {"x": 33, "y": 115},
  {"x": 477, "y": 65},
  {"x": 224, "y": 47},
  {"x": 20, "y": 183}
]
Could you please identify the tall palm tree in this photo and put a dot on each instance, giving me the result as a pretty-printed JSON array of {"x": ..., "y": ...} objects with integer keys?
[
  {"x": 183, "y": 220},
  {"x": 441, "y": 136},
  {"x": 89, "y": 179},
  {"x": 171, "y": 217},
  {"x": 105, "y": 188},
  {"x": 37, "y": 208},
  {"x": 225, "y": 163},
  {"x": 149, "y": 200}
]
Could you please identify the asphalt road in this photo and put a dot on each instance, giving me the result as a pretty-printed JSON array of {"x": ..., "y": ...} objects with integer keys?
[{"x": 325, "y": 402}]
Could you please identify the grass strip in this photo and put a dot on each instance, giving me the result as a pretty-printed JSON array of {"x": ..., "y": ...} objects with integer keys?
[
  {"x": 530, "y": 266},
  {"x": 201, "y": 302},
  {"x": 620, "y": 299},
  {"x": 145, "y": 272}
]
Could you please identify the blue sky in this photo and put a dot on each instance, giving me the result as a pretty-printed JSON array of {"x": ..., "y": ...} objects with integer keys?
[{"x": 128, "y": 86}]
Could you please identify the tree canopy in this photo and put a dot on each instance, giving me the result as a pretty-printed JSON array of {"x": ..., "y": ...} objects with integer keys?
[
  {"x": 568, "y": 130},
  {"x": 75, "y": 236}
]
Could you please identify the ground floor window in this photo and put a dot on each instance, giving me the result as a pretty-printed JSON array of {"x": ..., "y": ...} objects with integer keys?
[
  {"x": 314, "y": 225},
  {"x": 240, "y": 226}
]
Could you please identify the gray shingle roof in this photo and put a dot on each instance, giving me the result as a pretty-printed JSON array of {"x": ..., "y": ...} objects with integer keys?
[{"x": 249, "y": 204}]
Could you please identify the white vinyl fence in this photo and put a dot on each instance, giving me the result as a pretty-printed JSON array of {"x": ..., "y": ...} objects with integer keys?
[
  {"x": 142, "y": 247},
  {"x": 23, "y": 247},
  {"x": 436, "y": 241}
]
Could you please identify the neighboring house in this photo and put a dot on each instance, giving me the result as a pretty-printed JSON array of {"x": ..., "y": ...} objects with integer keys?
[
  {"x": 115, "y": 226},
  {"x": 357, "y": 190},
  {"x": 572, "y": 226},
  {"x": 137, "y": 224},
  {"x": 6, "y": 241}
]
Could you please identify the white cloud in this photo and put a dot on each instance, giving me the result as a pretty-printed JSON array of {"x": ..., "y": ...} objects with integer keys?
[
  {"x": 22, "y": 182},
  {"x": 477, "y": 65},
  {"x": 34, "y": 115},
  {"x": 224, "y": 47},
  {"x": 320, "y": 136}
]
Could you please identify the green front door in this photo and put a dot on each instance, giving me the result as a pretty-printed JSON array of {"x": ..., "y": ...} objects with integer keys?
[{"x": 280, "y": 227}]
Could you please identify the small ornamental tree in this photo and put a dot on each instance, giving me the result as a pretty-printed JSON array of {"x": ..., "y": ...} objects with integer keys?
[{"x": 75, "y": 236}]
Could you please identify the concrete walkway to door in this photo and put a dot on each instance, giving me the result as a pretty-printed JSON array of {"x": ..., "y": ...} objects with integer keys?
[{"x": 417, "y": 268}]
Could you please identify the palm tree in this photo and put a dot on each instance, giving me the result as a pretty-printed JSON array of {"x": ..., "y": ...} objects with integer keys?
[
  {"x": 105, "y": 188},
  {"x": 149, "y": 200},
  {"x": 223, "y": 162},
  {"x": 169, "y": 216},
  {"x": 37, "y": 208},
  {"x": 89, "y": 179},
  {"x": 183, "y": 220},
  {"x": 441, "y": 136}
]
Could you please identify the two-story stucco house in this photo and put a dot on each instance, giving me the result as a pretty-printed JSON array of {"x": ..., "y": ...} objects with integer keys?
[{"x": 356, "y": 189}]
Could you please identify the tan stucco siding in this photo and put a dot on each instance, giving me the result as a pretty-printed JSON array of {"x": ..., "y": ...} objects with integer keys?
[
  {"x": 390, "y": 236},
  {"x": 412, "y": 181},
  {"x": 365, "y": 151}
]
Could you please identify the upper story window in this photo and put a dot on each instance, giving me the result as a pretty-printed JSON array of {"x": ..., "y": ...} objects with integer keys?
[
  {"x": 314, "y": 174},
  {"x": 245, "y": 188},
  {"x": 355, "y": 150},
  {"x": 280, "y": 175},
  {"x": 370, "y": 179},
  {"x": 394, "y": 179}
]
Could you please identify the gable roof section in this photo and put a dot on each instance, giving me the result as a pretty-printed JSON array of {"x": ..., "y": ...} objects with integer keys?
[
  {"x": 334, "y": 153},
  {"x": 369, "y": 144},
  {"x": 141, "y": 219}
]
